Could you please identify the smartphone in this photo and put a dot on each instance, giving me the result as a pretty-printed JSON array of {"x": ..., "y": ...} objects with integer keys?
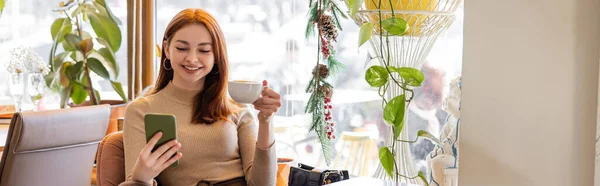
[{"x": 165, "y": 123}]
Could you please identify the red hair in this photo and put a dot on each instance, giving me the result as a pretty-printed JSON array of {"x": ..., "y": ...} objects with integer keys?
[{"x": 212, "y": 103}]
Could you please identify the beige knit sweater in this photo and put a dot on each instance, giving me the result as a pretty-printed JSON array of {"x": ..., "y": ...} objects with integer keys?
[{"x": 217, "y": 152}]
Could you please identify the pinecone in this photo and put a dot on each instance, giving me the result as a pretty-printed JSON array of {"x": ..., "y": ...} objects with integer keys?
[
  {"x": 328, "y": 28},
  {"x": 327, "y": 91},
  {"x": 322, "y": 70}
]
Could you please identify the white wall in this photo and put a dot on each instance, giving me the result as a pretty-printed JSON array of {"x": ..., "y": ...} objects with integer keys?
[{"x": 530, "y": 81}]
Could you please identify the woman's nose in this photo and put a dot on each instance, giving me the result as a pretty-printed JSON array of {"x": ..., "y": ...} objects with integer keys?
[{"x": 193, "y": 57}]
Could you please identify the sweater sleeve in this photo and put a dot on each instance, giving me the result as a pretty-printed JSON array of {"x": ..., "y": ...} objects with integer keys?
[
  {"x": 260, "y": 165},
  {"x": 134, "y": 138}
]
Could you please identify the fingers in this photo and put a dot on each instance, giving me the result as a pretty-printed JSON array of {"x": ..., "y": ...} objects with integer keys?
[
  {"x": 270, "y": 101},
  {"x": 164, "y": 157},
  {"x": 148, "y": 148},
  {"x": 163, "y": 148},
  {"x": 267, "y": 101},
  {"x": 267, "y": 109},
  {"x": 268, "y": 92},
  {"x": 171, "y": 161}
]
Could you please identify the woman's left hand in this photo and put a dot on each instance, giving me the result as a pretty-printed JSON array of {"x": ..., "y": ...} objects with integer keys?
[{"x": 267, "y": 104}]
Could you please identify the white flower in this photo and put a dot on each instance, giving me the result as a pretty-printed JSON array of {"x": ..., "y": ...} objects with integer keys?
[{"x": 24, "y": 59}]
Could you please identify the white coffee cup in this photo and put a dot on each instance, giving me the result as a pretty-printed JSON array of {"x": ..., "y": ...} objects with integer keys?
[{"x": 243, "y": 91}]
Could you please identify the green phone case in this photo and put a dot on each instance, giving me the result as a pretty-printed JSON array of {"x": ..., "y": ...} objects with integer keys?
[{"x": 165, "y": 123}]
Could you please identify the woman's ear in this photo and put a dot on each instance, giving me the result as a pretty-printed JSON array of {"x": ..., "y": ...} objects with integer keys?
[{"x": 166, "y": 49}]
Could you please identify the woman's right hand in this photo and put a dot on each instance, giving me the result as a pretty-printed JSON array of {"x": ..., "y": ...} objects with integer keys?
[{"x": 149, "y": 164}]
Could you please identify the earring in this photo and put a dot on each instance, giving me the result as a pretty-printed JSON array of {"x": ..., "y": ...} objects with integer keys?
[{"x": 165, "y": 64}]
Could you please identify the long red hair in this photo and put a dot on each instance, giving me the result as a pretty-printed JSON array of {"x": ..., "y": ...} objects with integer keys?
[{"x": 212, "y": 103}]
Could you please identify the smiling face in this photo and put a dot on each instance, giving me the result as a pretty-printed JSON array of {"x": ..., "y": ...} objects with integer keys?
[{"x": 190, "y": 52}]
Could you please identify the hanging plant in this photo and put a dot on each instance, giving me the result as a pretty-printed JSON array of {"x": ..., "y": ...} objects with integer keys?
[
  {"x": 324, "y": 18},
  {"x": 384, "y": 75}
]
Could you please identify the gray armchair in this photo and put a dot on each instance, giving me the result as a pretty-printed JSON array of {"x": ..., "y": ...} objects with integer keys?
[{"x": 55, "y": 147}]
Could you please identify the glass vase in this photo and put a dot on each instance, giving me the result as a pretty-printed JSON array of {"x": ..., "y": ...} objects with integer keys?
[
  {"x": 35, "y": 88},
  {"x": 16, "y": 87}
]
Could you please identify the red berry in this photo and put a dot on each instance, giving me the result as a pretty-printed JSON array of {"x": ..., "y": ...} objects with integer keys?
[{"x": 329, "y": 133}]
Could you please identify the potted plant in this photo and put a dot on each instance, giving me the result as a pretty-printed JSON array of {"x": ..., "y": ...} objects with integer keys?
[{"x": 84, "y": 55}]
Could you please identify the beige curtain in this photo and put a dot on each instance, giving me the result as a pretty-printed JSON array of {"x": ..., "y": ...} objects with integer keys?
[{"x": 140, "y": 48}]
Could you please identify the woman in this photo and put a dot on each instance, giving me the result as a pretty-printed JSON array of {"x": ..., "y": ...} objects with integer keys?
[{"x": 217, "y": 138}]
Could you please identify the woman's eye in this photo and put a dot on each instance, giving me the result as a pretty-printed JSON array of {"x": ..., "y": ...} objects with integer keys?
[
  {"x": 180, "y": 49},
  {"x": 204, "y": 51}
]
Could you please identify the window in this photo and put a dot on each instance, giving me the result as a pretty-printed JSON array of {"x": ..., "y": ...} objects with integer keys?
[
  {"x": 265, "y": 40},
  {"x": 20, "y": 24}
]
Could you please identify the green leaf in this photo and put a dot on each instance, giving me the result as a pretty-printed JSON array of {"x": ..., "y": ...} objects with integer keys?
[
  {"x": 397, "y": 131},
  {"x": 429, "y": 136},
  {"x": 62, "y": 26},
  {"x": 109, "y": 57},
  {"x": 76, "y": 56},
  {"x": 1, "y": 6},
  {"x": 106, "y": 29},
  {"x": 73, "y": 41},
  {"x": 421, "y": 175},
  {"x": 393, "y": 113},
  {"x": 77, "y": 11},
  {"x": 79, "y": 93},
  {"x": 98, "y": 68},
  {"x": 97, "y": 94},
  {"x": 59, "y": 28},
  {"x": 59, "y": 59},
  {"x": 353, "y": 6},
  {"x": 366, "y": 31},
  {"x": 86, "y": 35},
  {"x": 392, "y": 69},
  {"x": 67, "y": 47},
  {"x": 104, "y": 9},
  {"x": 387, "y": 160},
  {"x": 376, "y": 76},
  {"x": 119, "y": 89},
  {"x": 49, "y": 78},
  {"x": 395, "y": 26},
  {"x": 75, "y": 71},
  {"x": 65, "y": 95},
  {"x": 411, "y": 76}
]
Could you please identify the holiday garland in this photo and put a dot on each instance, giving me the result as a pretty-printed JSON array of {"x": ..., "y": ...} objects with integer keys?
[{"x": 324, "y": 15}]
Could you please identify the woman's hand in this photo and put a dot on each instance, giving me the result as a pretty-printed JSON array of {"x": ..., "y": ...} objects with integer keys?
[
  {"x": 149, "y": 164},
  {"x": 267, "y": 104}
]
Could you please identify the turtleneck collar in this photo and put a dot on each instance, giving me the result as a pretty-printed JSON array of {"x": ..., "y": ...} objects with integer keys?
[{"x": 183, "y": 96}]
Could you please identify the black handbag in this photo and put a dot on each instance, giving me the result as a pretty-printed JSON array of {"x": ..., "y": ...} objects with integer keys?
[{"x": 303, "y": 175}]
